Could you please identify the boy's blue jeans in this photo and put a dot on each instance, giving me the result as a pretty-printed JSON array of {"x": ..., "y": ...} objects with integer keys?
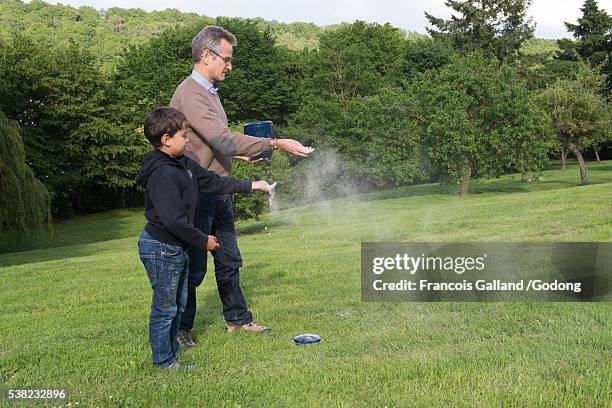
[{"x": 167, "y": 268}]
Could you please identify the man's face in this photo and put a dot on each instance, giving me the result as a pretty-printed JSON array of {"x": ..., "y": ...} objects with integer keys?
[{"x": 220, "y": 63}]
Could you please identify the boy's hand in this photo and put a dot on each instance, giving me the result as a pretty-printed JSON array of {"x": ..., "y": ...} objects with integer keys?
[
  {"x": 212, "y": 243},
  {"x": 263, "y": 185}
]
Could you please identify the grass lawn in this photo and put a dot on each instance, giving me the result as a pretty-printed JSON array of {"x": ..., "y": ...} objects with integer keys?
[{"x": 74, "y": 311}]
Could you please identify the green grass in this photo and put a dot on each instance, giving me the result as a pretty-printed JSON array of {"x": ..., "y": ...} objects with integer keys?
[{"x": 74, "y": 312}]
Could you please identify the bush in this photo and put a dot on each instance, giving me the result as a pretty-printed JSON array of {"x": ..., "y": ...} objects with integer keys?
[{"x": 277, "y": 169}]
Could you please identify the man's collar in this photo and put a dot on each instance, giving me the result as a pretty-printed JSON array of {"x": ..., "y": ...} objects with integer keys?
[{"x": 204, "y": 82}]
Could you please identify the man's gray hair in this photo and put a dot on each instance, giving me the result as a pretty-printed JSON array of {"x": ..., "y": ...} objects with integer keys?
[{"x": 209, "y": 38}]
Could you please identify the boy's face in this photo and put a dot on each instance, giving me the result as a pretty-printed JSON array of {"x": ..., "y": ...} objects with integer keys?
[{"x": 175, "y": 145}]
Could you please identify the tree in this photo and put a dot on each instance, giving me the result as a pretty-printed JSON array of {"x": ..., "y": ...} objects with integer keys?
[
  {"x": 540, "y": 74},
  {"x": 421, "y": 55},
  {"x": 105, "y": 33},
  {"x": 494, "y": 27},
  {"x": 147, "y": 75},
  {"x": 25, "y": 203},
  {"x": 275, "y": 170},
  {"x": 52, "y": 92},
  {"x": 478, "y": 119},
  {"x": 580, "y": 115},
  {"x": 112, "y": 154},
  {"x": 354, "y": 60},
  {"x": 263, "y": 82},
  {"x": 372, "y": 139},
  {"x": 593, "y": 39}
]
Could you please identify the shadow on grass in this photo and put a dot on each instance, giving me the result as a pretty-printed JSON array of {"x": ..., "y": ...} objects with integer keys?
[
  {"x": 258, "y": 227},
  {"x": 106, "y": 226},
  {"x": 49, "y": 254},
  {"x": 554, "y": 179},
  {"x": 77, "y": 237},
  {"x": 601, "y": 168},
  {"x": 209, "y": 310}
]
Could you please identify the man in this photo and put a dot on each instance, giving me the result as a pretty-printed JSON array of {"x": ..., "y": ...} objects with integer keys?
[{"x": 213, "y": 145}]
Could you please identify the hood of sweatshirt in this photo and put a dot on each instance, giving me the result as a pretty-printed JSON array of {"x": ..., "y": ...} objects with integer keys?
[{"x": 151, "y": 162}]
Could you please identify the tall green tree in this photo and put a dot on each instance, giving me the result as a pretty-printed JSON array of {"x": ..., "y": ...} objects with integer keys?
[
  {"x": 374, "y": 138},
  {"x": 275, "y": 170},
  {"x": 494, "y": 27},
  {"x": 355, "y": 60},
  {"x": 105, "y": 32},
  {"x": 52, "y": 93},
  {"x": 593, "y": 39},
  {"x": 420, "y": 55},
  {"x": 580, "y": 115},
  {"x": 264, "y": 81},
  {"x": 479, "y": 119},
  {"x": 25, "y": 203}
]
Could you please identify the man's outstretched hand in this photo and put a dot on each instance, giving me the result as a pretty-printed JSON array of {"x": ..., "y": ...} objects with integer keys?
[
  {"x": 294, "y": 147},
  {"x": 288, "y": 145}
]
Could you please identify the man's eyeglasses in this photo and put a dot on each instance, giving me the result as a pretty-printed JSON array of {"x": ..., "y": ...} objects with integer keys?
[{"x": 226, "y": 60}]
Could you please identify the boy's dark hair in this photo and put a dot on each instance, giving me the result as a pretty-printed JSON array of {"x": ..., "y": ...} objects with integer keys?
[{"x": 161, "y": 121}]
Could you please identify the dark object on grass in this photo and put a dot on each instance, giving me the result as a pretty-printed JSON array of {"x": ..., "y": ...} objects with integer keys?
[
  {"x": 306, "y": 339},
  {"x": 260, "y": 129}
]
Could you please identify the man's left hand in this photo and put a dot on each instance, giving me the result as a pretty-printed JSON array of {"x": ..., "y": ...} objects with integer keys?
[{"x": 249, "y": 160}]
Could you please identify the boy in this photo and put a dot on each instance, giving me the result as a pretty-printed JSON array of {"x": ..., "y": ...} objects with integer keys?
[{"x": 172, "y": 184}]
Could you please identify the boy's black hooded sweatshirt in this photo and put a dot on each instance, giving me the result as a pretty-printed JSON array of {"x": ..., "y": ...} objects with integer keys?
[{"x": 171, "y": 196}]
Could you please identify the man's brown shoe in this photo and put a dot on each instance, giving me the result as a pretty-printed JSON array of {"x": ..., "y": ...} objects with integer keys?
[
  {"x": 246, "y": 328},
  {"x": 184, "y": 339}
]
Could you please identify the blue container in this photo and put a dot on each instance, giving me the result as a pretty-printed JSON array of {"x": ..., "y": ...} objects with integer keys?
[
  {"x": 306, "y": 339},
  {"x": 260, "y": 129}
]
